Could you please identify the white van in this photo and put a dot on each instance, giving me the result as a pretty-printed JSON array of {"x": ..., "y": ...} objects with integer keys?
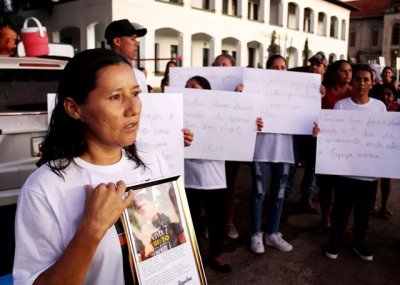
[{"x": 24, "y": 85}]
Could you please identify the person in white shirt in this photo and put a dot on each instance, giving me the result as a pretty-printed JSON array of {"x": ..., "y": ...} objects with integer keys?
[
  {"x": 354, "y": 192},
  {"x": 273, "y": 155},
  {"x": 66, "y": 211},
  {"x": 205, "y": 185}
]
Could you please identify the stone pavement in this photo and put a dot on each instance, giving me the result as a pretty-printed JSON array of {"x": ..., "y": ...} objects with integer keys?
[{"x": 307, "y": 264}]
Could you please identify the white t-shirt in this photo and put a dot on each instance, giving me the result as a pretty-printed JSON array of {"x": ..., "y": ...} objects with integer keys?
[
  {"x": 205, "y": 174},
  {"x": 50, "y": 209},
  {"x": 373, "y": 105},
  {"x": 141, "y": 79},
  {"x": 274, "y": 148}
]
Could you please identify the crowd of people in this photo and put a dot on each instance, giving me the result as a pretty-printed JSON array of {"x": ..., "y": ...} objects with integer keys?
[{"x": 68, "y": 207}]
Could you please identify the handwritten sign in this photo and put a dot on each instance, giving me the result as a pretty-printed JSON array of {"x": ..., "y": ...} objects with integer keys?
[
  {"x": 291, "y": 102},
  {"x": 223, "y": 123},
  {"x": 355, "y": 143},
  {"x": 161, "y": 126},
  {"x": 220, "y": 78}
]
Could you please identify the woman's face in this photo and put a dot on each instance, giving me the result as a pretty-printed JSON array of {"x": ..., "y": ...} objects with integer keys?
[
  {"x": 387, "y": 76},
  {"x": 278, "y": 64},
  {"x": 389, "y": 96},
  {"x": 344, "y": 74},
  {"x": 193, "y": 84},
  {"x": 362, "y": 83},
  {"x": 111, "y": 112}
]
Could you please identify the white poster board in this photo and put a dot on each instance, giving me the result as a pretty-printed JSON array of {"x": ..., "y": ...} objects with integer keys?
[
  {"x": 382, "y": 63},
  {"x": 223, "y": 123},
  {"x": 292, "y": 100},
  {"x": 161, "y": 126},
  {"x": 355, "y": 143},
  {"x": 220, "y": 78}
]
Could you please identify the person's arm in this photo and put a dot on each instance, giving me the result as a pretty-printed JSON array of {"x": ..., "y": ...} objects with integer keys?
[
  {"x": 260, "y": 124},
  {"x": 103, "y": 207},
  {"x": 187, "y": 137},
  {"x": 315, "y": 130}
]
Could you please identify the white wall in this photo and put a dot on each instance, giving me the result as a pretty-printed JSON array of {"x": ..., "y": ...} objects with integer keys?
[{"x": 155, "y": 15}]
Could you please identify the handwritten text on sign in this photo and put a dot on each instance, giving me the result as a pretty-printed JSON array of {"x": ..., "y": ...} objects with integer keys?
[
  {"x": 161, "y": 124},
  {"x": 357, "y": 143},
  {"x": 223, "y": 123},
  {"x": 291, "y": 102},
  {"x": 220, "y": 78}
]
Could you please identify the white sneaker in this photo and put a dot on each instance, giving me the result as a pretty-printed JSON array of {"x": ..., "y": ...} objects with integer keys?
[
  {"x": 231, "y": 231},
  {"x": 276, "y": 240},
  {"x": 257, "y": 245}
]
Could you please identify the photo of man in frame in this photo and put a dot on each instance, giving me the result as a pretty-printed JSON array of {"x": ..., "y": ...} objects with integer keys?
[{"x": 155, "y": 221}]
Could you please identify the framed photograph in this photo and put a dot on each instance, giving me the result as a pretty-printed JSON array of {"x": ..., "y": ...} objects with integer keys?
[{"x": 161, "y": 239}]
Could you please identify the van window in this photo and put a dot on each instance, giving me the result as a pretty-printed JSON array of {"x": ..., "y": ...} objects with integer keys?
[{"x": 26, "y": 89}]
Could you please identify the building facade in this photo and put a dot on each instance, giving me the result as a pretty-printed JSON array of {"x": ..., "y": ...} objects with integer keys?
[
  {"x": 198, "y": 30},
  {"x": 375, "y": 31}
]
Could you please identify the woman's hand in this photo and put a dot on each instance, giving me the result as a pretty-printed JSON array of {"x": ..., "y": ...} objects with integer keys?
[
  {"x": 315, "y": 130},
  {"x": 239, "y": 88},
  {"x": 260, "y": 124},
  {"x": 187, "y": 137},
  {"x": 104, "y": 205}
]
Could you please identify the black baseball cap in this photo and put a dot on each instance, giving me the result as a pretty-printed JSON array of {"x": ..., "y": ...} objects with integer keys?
[
  {"x": 319, "y": 57},
  {"x": 123, "y": 28}
]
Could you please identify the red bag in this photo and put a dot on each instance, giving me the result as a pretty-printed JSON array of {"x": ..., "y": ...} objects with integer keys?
[{"x": 35, "y": 39}]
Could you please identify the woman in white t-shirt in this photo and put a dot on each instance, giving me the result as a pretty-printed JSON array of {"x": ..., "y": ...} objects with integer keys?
[
  {"x": 66, "y": 211},
  {"x": 273, "y": 155},
  {"x": 205, "y": 184}
]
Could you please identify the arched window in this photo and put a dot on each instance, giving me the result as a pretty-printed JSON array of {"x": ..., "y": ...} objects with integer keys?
[
  {"x": 332, "y": 58},
  {"x": 293, "y": 16},
  {"x": 334, "y": 27},
  {"x": 276, "y": 12},
  {"x": 308, "y": 23},
  {"x": 344, "y": 29},
  {"x": 321, "y": 24}
]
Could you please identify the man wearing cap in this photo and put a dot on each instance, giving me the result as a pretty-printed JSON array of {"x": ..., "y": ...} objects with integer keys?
[
  {"x": 163, "y": 233},
  {"x": 318, "y": 63},
  {"x": 121, "y": 36}
]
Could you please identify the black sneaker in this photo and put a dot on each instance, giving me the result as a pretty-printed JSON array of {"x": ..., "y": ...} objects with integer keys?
[
  {"x": 363, "y": 252},
  {"x": 332, "y": 252}
]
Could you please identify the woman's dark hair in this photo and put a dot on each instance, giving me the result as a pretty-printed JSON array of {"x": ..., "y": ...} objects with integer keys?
[
  {"x": 391, "y": 88},
  {"x": 66, "y": 136},
  {"x": 227, "y": 56},
  {"x": 272, "y": 58},
  {"x": 167, "y": 67},
  {"x": 329, "y": 79},
  {"x": 204, "y": 83}
]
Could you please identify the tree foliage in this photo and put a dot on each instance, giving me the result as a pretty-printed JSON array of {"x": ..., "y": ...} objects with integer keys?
[{"x": 273, "y": 48}]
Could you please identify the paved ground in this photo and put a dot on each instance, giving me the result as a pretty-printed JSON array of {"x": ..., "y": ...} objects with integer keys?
[{"x": 307, "y": 264}]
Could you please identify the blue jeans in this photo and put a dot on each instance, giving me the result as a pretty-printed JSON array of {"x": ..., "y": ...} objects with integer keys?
[{"x": 263, "y": 173}]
